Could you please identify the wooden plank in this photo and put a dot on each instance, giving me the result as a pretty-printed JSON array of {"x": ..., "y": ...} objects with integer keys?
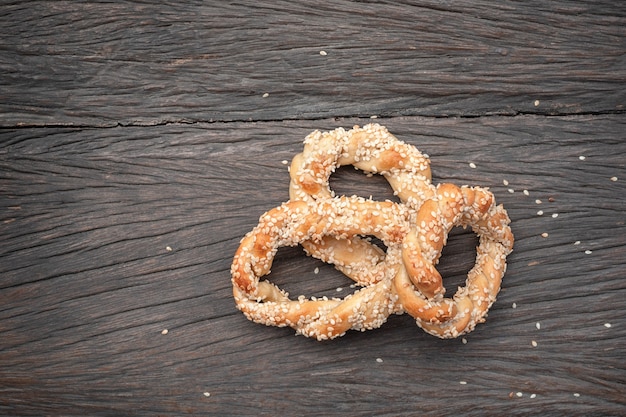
[
  {"x": 88, "y": 281},
  {"x": 102, "y": 64}
]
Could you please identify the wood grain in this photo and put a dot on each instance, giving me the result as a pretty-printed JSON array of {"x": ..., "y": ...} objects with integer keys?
[
  {"x": 139, "y": 142},
  {"x": 103, "y": 64},
  {"x": 88, "y": 281}
]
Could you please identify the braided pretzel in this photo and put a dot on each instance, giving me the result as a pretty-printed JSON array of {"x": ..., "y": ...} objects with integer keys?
[
  {"x": 297, "y": 221},
  {"x": 374, "y": 150},
  {"x": 454, "y": 206}
]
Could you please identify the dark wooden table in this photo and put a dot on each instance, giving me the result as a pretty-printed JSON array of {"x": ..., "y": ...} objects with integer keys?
[{"x": 139, "y": 142}]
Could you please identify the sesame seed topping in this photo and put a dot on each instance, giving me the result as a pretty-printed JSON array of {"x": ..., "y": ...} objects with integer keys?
[
  {"x": 555, "y": 215},
  {"x": 533, "y": 395},
  {"x": 206, "y": 394},
  {"x": 533, "y": 343},
  {"x": 544, "y": 234},
  {"x": 538, "y": 325},
  {"x": 511, "y": 190},
  {"x": 168, "y": 248},
  {"x": 588, "y": 252},
  {"x": 519, "y": 394},
  {"x": 514, "y": 305},
  {"x": 540, "y": 213},
  {"x": 379, "y": 360},
  {"x": 316, "y": 271},
  {"x": 577, "y": 242},
  {"x": 576, "y": 395},
  {"x": 284, "y": 162},
  {"x": 505, "y": 182},
  {"x": 537, "y": 201},
  {"x": 463, "y": 382},
  {"x": 265, "y": 95},
  {"x": 607, "y": 325},
  {"x": 472, "y": 165},
  {"x": 536, "y": 103},
  {"x": 526, "y": 192},
  {"x": 613, "y": 179},
  {"x": 323, "y": 53},
  {"x": 582, "y": 157},
  {"x": 164, "y": 331}
]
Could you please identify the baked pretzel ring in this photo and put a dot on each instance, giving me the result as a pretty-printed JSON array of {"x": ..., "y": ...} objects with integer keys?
[
  {"x": 454, "y": 206},
  {"x": 297, "y": 221},
  {"x": 374, "y": 150}
]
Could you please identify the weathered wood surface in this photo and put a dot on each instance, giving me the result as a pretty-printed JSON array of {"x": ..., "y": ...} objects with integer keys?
[{"x": 136, "y": 149}]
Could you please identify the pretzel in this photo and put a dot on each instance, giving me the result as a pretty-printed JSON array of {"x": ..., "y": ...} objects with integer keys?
[
  {"x": 297, "y": 221},
  {"x": 454, "y": 206},
  {"x": 374, "y": 150},
  {"x": 333, "y": 229}
]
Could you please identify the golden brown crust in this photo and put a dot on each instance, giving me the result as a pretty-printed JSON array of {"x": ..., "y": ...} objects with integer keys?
[{"x": 335, "y": 229}]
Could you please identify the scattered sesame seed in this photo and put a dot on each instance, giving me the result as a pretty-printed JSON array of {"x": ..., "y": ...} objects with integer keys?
[
  {"x": 379, "y": 360},
  {"x": 168, "y": 248},
  {"x": 613, "y": 179},
  {"x": 514, "y": 305},
  {"x": 505, "y": 182},
  {"x": 464, "y": 341},
  {"x": 373, "y": 116},
  {"x": 538, "y": 201},
  {"x": 339, "y": 289},
  {"x": 540, "y": 213},
  {"x": 323, "y": 53},
  {"x": 511, "y": 190},
  {"x": 519, "y": 394},
  {"x": 526, "y": 192},
  {"x": 576, "y": 395},
  {"x": 588, "y": 252},
  {"x": 284, "y": 162},
  {"x": 463, "y": 382},
  {"x": 607, "y": 325},
  {"x": 544, "y": 234},
  {"x": 533, "y": 343},
  {"x": 164, "y": 331},
  {"x": 266, "y": 95},
  {"x": 577, "y": 242},
  {"x": 472, "y": 165},
  {"x": 538, "y": 325},
  {"x": 536, "y": 103},
  {"x": 555, "y": 215},
  {"x": 533, "y": 395},
  {"x": 206, "y": 394},
  {"x": 551, "y": 199},
  {"x": 582, "y": 157},
  {"x": 316, "y": 271}
]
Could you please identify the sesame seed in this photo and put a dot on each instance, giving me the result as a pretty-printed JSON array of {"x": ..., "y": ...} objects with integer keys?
[
  {"x": 519, "y": 394},
  {"x": 555, "y": 215},
  {"x": 613, "y": 179},
  {"x": 373, "y": 116},
  {"x": 323, "y": 53},
  {"x": 607, "y": 325},
  {"x": 505, "y": 182},
  {"x": 582, "y": 157},
  {"x": 514, "y": 305},
  {"x": 464, "y": 341},
  {"x": 265, "y": 95},
  {"x": 316, "y": 271},
  {"x": 533, "y": 343},
  {"x": 284, "y": 162},
  {"x": 463, "y": 382},
  {"x": 538, "y": 325},
  {"x": 540, "y": 213},
  {"x": 164, "y": 331},
  {"x": 339, "y": 289},
  {"x": 526, "y": 192},
  {"x": 588, "y": 252},
  {"x": 576, "y": 395},
  {"x": 206, "y": 394},
  {"x": 511, "y": 190},
  {"x": 544, "y": 234},
  {"x": 472, "y": 165},
  {"x": 577, "y": 242},
  {"x": 533, "y": 395},
  {"x": 167, "y": 248},
  {"x": 536, "y": 103},
  {"x": 379, "y": 360},
  {"x": 537, "y": 201}
]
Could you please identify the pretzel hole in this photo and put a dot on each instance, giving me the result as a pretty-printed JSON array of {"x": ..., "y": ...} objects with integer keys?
[
  {"x": 299, "y": 274},
  {"x": 348, "y": 180},
  {"x": 458, "y": 257}
]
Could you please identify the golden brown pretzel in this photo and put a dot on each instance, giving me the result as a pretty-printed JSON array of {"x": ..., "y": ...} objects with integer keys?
[
  {"x": 297, "y": 221},
  {"x": 374, "y": 150},
  {"x": 454, "y": 206}
]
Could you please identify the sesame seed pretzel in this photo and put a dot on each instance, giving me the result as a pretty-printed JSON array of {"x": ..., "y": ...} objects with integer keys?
[
  {"x": 333, "y": 229},
  {"x": 297, "y": 221}
]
